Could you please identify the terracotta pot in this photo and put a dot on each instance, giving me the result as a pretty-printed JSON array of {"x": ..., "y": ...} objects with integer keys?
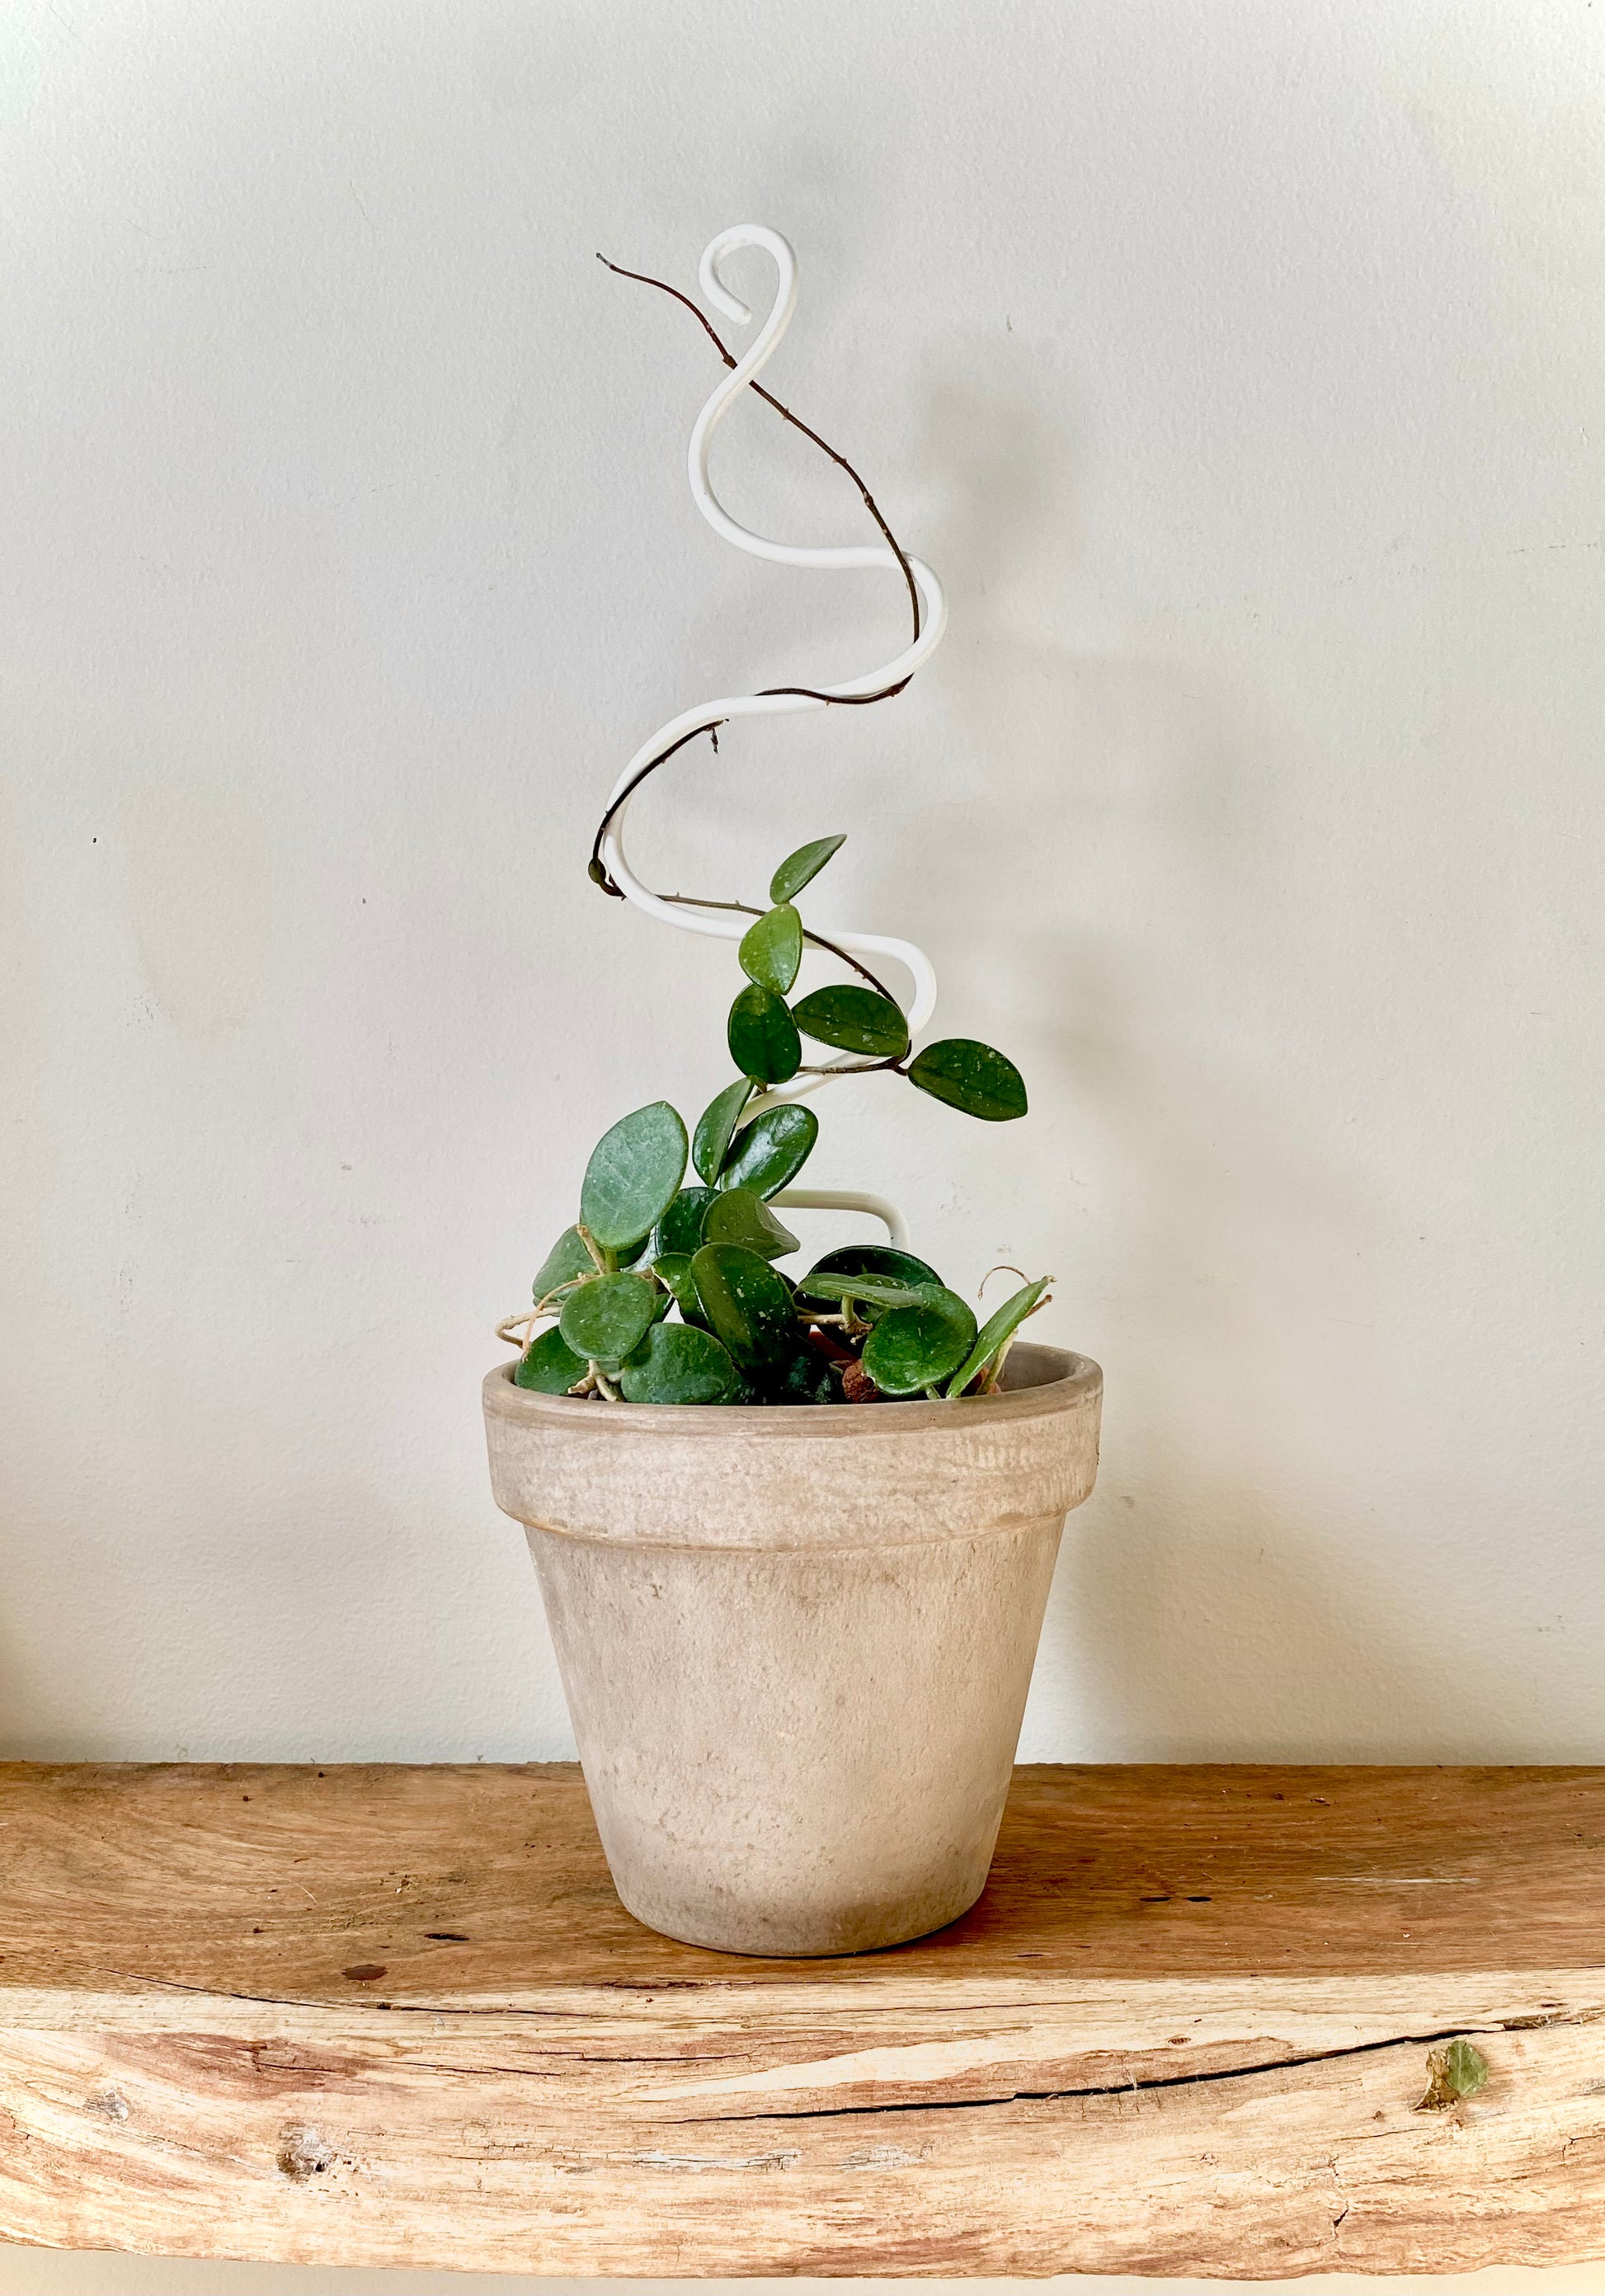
[{"x": 796, "y": 1641}]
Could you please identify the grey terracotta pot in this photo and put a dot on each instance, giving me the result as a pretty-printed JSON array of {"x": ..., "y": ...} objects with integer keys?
[{"x": 796, "y": 1641}]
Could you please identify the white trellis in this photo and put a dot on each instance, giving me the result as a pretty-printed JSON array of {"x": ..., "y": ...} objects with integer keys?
[{"x": 686, "y": 917}]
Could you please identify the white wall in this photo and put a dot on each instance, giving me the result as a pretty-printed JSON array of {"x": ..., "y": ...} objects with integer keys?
[{"x": 1238, "y": 366}]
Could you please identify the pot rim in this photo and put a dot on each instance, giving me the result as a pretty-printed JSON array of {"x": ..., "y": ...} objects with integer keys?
[{"x": 1075, "y": 1378}]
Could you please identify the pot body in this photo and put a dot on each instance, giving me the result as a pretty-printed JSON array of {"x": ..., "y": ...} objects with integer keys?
[{"x": 796, "y": 1641}]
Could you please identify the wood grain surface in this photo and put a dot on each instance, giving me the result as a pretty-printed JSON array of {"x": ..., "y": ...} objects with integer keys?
[{"x": 396, "y": 2016}]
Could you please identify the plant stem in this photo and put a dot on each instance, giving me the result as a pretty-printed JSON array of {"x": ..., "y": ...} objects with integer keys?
[
  {"x": 597, "y": 866},
  {"x": 796, "y": 421},
  {"x": 695, "y": 901},
  {"x": 855, "y": 1068}
]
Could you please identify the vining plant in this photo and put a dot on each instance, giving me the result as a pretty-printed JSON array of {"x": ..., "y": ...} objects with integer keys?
[{"x": 667, "y": 1290}]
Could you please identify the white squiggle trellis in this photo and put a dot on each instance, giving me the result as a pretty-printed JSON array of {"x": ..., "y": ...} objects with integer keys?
[{"x": 611, "y": 850}]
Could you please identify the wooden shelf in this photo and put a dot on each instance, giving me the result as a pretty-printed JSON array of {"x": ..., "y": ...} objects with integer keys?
[{"x": 396, "y": 2016}]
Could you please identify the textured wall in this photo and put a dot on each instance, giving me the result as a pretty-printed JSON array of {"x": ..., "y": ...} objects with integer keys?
[{"x": 1238, "y": 367}]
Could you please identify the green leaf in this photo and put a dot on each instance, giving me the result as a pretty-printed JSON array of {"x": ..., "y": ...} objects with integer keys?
[
  {"x": 871, "y": 1291},
  {"x": 567, "y": 1259},
  {"x": 747, "y": 1304},
  {"x": 633, "y": 1173},
  {"x": 763, "y": 1037},
  {"x": 881, "y": 1261},
  {"x": 740, "y": 1215},
  {"x": 674, "y": 1268},
  {"x": 715, "y": 1127},
  {"x": 971, "y": 1077},
  {"x": 771, "y": 950},
  {"x": 855, "y": 1019},
  {"x": 801, "y": 868},
  {"x": 549, "y": 1364},
  {"x": 771, "y": 1150},
  {"x": 607, "y": 1320},
  {"x": 914, "y": 1347},
  {"x": 678, "y": 1363},
  {"x": 996, "y": 1330},
  {"x": 681, "y": 1227},
  {"x": 873, "y": 1259}
]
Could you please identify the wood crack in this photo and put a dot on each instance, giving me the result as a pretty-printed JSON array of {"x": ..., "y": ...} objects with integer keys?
[
  {"x": 364, "y": 2000},
  {"x": 1120, "y": 2088}
]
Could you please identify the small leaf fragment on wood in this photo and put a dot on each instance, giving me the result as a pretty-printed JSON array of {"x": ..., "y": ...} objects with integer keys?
[{"x": 1454, "y": 2072}]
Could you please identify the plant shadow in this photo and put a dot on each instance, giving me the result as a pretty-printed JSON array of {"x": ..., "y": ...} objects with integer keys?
[{"x": 1236, "y": 1589}]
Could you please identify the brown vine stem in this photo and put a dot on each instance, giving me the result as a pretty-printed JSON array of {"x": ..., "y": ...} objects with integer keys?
[
  {"x": 646, "y": 280},
  {"x": 746, "y": 909},
  {"x": 597, "y": 867}
]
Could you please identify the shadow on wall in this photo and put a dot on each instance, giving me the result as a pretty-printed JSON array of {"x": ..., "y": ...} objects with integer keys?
[
  {"x": 1217, "y": 1626},
  {"x": 1205, "y": 1604}
]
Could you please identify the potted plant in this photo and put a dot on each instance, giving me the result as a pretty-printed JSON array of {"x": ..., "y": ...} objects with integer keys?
[{"x": 794, "y": 1530}]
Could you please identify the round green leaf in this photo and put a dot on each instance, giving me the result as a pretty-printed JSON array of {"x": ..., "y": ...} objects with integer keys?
[
  {"x": 996, "y": 1330},
  {"x": 763, "y": 1037},
  {"x": 633, "y": 1173},
  {"x": 674, "y": 1268},
  {"x": 771, "y": 1150},
  {"x": 679, "y": 1363},
  {"x": 567, "y": 1259},
  {"x": 715, "y": 1127},
  {"x": 914, "y": 1347},
  {"x": 607, "y": 1320},
  {"x": 549, "y": 1364},
  {"x": 740, "y": 1215},
  {"x": 855, "y": 1019},
  {"x": 971, "y": 1077},
  {"x": 681, "y": 1227},
  {"x": 747, "y": 1304},
  {"x": 801, "y": 868},
  {"x": 771, "y": 950}
]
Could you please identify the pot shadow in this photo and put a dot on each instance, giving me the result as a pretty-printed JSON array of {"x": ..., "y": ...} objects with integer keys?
[{"x": 1201, "y": 1622}]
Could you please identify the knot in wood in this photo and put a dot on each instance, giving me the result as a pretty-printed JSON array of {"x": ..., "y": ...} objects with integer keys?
[{"x": 303, "y": 2151}]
